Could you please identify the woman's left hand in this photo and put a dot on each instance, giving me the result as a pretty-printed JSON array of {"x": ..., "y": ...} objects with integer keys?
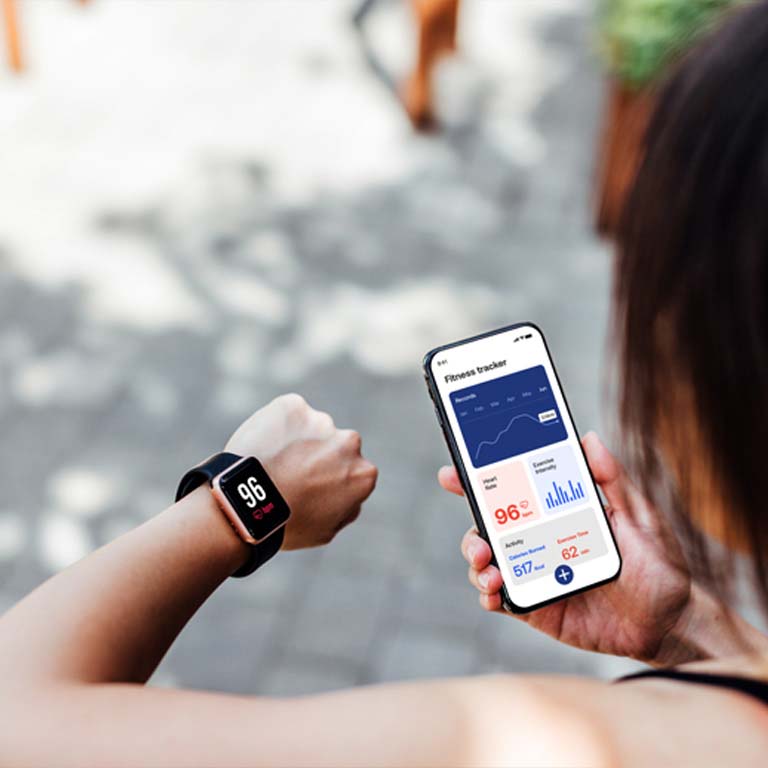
[{"x": 318, "y": 468}]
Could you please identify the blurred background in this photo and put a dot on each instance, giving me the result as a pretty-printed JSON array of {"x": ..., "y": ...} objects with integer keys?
[{"x": 205, "y": 204}]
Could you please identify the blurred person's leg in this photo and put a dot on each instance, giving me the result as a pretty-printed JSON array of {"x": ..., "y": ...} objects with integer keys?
[
  {"x": 437, "y": 22},
  {"x": 362, "y": 11},
  {"x": 12, "y": 34}
]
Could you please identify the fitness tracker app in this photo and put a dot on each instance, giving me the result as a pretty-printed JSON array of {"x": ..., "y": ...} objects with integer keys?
[{"x": 514, "y": 443}]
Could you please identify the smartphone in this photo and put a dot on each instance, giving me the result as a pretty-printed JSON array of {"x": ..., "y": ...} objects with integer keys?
[{"x": 513, "y": 441}]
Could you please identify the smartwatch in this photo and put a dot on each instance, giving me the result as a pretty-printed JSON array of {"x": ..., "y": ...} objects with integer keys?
[{"x": 249, "y": 499}]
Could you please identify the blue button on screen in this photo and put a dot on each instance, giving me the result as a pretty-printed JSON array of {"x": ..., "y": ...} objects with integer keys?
[{"x": 564, "y": 574}]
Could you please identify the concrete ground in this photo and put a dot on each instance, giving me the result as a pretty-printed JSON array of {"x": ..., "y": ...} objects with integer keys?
[{"x": 176, "y": 172}]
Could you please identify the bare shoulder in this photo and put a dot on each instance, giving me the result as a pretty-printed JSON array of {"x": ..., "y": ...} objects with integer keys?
[
  {"x": 578, "y": 721},
  {"x": 544, "y": 721}
]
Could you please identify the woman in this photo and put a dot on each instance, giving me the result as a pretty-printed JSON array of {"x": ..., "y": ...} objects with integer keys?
[{"x": 692, "y": 305}]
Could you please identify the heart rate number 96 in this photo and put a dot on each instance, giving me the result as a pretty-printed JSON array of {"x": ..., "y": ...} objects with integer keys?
[{"x": 510, "y": 514}]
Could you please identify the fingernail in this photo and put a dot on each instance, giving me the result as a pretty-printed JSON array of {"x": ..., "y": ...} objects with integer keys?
[
  {"x": 482, "y": 580},
  {"x": 473, "y": 550}
]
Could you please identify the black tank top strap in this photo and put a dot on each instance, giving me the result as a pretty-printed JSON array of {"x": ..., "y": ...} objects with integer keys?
[{"x": 747, "y": 685}]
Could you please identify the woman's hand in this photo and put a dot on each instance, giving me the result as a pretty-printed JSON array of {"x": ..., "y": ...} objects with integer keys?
[
  {"x": 318, "y": 468},
  {"x": 643, "y": 613}
]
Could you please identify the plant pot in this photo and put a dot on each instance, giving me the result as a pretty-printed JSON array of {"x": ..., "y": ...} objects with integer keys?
[{"x": 619, "y": 152}]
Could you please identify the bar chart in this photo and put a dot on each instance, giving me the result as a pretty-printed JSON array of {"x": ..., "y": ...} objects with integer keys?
[
  {"x": 559, "y": 495},
  {"x": 557, "y": 477}
]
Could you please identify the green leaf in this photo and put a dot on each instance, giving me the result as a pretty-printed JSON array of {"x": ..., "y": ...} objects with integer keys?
[{"x": 638, "y": 38}]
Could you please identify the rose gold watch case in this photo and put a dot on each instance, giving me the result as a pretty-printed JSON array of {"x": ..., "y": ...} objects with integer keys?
[{"x": 230, "y": 512}]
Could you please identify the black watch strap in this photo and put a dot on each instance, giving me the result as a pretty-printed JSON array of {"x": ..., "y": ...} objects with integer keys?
[
  {"x": 259, "y": 554},
  {"x": 204, "y": 473}
]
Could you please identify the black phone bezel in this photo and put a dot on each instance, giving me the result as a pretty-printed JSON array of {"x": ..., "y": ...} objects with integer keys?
[{"x": 450, "y": 439}]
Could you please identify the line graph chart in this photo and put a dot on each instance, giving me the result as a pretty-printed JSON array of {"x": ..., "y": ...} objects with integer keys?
[
  {"x": 490, "y": 443},
  {"x": 508, "y": 416}
]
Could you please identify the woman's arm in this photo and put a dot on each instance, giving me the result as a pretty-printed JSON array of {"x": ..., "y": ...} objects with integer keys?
[
  {"x": 74, "y": 653},
  {"x": 112, "y": 616},
  {"x": 481, "y": 721}
]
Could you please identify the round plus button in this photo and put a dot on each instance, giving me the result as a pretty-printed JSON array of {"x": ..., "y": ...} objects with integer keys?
[{"x": 564, "y": 574}]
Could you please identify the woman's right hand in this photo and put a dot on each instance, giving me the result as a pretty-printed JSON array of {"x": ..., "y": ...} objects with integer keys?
[
  {"x": 318, "y": 468},
  {"x": 639, "y": 615}
]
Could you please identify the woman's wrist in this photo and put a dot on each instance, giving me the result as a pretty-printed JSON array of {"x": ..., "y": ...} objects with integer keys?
[
  {"x": 200, "y": 516},
  {"x": 706, "y": 629}
]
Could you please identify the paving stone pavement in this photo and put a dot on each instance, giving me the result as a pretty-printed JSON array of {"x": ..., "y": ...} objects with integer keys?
[{"x": 276, "y": 195}]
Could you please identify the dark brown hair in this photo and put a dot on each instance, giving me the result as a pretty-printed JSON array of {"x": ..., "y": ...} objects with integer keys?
[{"x": 692, "y": 293}]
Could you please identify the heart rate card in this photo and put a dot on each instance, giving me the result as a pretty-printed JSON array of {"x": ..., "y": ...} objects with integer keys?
[{"x": 508, "y": 496}]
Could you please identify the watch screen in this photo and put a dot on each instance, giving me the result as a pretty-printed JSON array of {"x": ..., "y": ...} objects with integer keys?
[{"x": 254, "y": 497}]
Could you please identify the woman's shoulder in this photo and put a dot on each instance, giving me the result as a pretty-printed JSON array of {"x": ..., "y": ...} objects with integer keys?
[
  {"x": 635, "y": 723},
  {"x": 537, "y": 720}
]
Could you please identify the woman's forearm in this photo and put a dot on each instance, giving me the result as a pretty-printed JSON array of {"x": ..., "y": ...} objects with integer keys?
[
  {"x": 483, "y": 721},
  {"x": 112, "y": 616}
]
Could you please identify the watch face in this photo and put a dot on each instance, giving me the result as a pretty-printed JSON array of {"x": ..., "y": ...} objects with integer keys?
[{"x": 253, "y": 496}]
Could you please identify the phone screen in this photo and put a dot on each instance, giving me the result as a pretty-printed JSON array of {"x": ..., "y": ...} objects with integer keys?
[{"x": 502, "y": 408}]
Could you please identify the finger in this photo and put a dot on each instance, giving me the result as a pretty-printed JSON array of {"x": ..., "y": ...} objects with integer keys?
[
  {"x": 290, "y": 401},
  {"x": 367, "y": 474},
  {"x": 448, "y": 478},
  {"x": 475, "y": 550},
  {"x": 620, "y": 492},
  {"x": 488, "y": 581},
  {"x": 491, "y": 602},
  {"x": 351, "y": 440},
  {"x": 293, "y": 408},
  {"x": 607, "y": 471},
  {"x": 322, "y": 424}
]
